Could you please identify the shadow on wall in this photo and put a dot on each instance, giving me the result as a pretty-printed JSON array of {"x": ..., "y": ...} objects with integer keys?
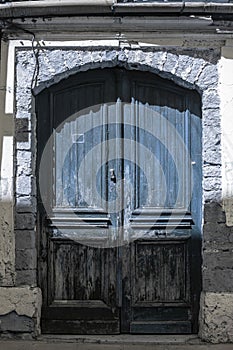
[{"x": 217, "y": 250}]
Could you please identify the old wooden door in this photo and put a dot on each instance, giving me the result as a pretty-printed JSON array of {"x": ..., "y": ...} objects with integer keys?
[{"x": 119, "y": 164}]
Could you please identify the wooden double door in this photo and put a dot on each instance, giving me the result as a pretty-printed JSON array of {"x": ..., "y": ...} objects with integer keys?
[{"x": 119, "y": 211}]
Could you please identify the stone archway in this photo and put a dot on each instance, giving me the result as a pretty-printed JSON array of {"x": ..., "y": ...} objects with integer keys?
[{"x": 192, "y": 69}]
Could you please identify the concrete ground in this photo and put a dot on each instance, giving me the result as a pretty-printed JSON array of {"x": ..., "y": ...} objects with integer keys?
[{"x": 119, "y": 342}]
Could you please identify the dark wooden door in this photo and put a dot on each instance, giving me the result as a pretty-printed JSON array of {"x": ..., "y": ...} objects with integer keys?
[{"x": 119, "y": 156}]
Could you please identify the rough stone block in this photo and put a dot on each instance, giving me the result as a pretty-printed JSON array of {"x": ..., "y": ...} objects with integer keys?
[
  {"x": 26, "y": 58},
  {"x": 208, "y": 76},
  {"x": 217, "y": 232},
  {"x": 196, "y": 68},
  {"x": 22, "y": 125},
  {"x": 86, "y": 57},
  {"x": 171, "y": 63},
  {"x": 218, "y": 270},
  {"x": 14, "y": 323},
  {"x": 23, "y": 95},
  {"x": 158, "y": 59},
  {"x": 212, "y": 157},
  {"x": 210, "y": 98},
  {"x": 111, "y": 55},
  {"x": 216, "y": 317},
  {"x": 96, "y": 56},
  {"x": 211, "y": 137},
  {"x": 122, "y": 57},
  {"x": 23, "y": 141},
  {"x": 26, "y": 277},
  {"x": 212, "y": 184},
  {"x": 212, "y": 171},
  {"x": 212, "y": 196},
  {"x": 26, "y": 259},
  {"x": 23, "y": 301},
  {"x": 217, "y": 280},
  {"x": 25, "y": 204},
  {"x": 23, "y": 185},
  {"x": 24, "y": 162},
  {"x": 217, "y": 259},
  {"x": 25, "y": 239},
  {"x": 24, "y": 71},
  {"x": 184, "y": 66},
  {"x": 24, "y": 221},
  {"x": 211, "y": 117},
  {"x": 214, "y": 213}
]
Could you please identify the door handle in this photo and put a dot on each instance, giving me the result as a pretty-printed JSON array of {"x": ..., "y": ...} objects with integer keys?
[{"x": 112, "y": 175}]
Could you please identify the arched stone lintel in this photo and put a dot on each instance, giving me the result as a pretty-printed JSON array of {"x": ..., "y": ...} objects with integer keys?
[{"x": 186, "y": 71}]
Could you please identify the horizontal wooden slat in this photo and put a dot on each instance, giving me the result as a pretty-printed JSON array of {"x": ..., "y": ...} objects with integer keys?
[
  {"x": 160, "y": 211},
  {"x": 80, "y": 327},
  {"x": 82, "y": 225},
  {"x": 74, "y": 218},
  {"x": 161, "y": 313},
  {"x": 91, "y": 312},
  {"x": 78, "y": 222},
  {"x": 161, "y": 327},
  {"x": 160, "y": 226},
  {"x": 156, "y": 304},
  {"x": 153, "y": 219},
  {"x": 78, "y": 211}
]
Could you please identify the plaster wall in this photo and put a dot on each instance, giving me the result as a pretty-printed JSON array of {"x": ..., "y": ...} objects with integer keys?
[{"x": 7, "y": 239}]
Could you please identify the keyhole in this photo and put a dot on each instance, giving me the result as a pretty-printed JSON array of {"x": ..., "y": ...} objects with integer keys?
[{"x": 113, "y": 175}]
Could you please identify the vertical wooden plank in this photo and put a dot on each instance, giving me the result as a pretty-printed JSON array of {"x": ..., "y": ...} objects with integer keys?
[{"x": 127, "y": 287}]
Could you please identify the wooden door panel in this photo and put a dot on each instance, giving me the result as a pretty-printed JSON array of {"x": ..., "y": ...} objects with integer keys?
[
  {"x": 83, "y": 326},
  {"x": 72, "y": 190},
  {"x": 79, "y": 281},
  {"x": 161, "y": 116},
  {"x": 161, "y": 272},
  {"x": 161, "y": 327},
  {"x": 161, "y": 287},
  {"x": 159, "y": 120},
  {"x": 150, "y": 285},
  {"x": 82, "y": 289},
  {"x": 159, "y": 313},
  {"x": 76, "y": 271}
]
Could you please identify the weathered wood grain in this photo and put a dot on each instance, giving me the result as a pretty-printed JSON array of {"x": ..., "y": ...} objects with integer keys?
[{"x": 150, "y": 285}]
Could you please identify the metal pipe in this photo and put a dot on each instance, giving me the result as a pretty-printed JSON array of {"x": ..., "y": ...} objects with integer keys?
[{"x": 82, "y": 7}]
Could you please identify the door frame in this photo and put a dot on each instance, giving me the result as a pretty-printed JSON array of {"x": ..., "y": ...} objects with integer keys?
[{"x": 196, "y": 288}]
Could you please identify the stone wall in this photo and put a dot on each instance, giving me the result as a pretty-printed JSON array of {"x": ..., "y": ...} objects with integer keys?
[
  {"x": 192, "y": 68},
  {"x": 217, "y": 298},
  {"x": 19, "y": 307}
]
